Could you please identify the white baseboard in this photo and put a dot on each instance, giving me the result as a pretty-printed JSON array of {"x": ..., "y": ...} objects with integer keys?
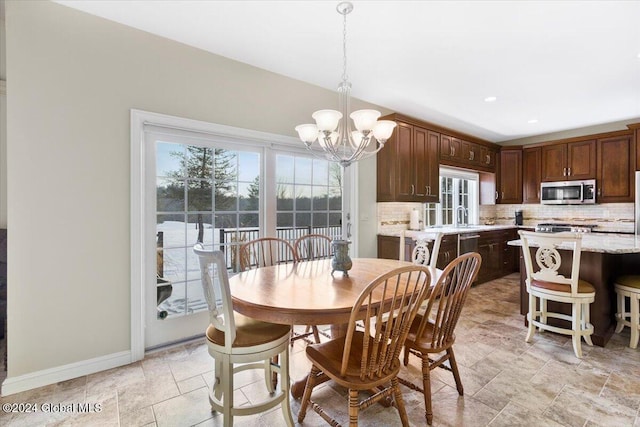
[{"x": 32, "y": 380}]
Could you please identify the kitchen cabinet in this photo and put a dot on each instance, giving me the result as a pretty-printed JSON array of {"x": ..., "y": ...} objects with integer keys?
[
  {"x": 448, "y": 250},
  {"x": 569, "y": 161},
  {"x": 407, "y": 167},
  {"x": 389, "y": 247},
  {"x": 531, "y": 174},
  {"x": 498, "y": 258},
  {"x": 615, "y": 179},
  {"x": 467, "y": 154},
  {"x": 450, "y": 148},
  {"x": 510, "y": 176}
]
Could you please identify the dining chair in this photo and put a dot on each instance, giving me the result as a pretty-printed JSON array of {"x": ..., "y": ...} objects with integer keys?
[
  {"x": 370, "y": 358},
  {"x": 238, "y": 343},
  {"x": 265, "y": 252},
  {"x": 628, "y": 287},
  {"x": 312, "y": 246},
  {"x": 269, "y": 251},
  {"x": 544, "y": 283},
  {"x": 433, "y": 332},
  {"x": 421, "y": 253}
]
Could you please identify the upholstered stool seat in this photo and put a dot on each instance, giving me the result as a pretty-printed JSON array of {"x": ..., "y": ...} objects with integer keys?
[{"x": 629, "y": 287}]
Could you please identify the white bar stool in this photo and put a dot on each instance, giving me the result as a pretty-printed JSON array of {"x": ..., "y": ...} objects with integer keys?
[{"x": 629, "y": 287}]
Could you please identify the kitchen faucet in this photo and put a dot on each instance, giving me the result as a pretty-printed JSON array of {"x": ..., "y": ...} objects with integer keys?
[{"x": 460, "y": 218}]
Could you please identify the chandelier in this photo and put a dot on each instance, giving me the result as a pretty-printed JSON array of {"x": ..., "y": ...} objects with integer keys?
[{"x": 338, "y": 140}]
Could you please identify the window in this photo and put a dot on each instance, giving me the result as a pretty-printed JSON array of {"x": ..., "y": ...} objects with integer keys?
[
  {"x": 308, "y": 196},
  {"x": 458, "y": 199},
  {"x": 208, "y": 193}
]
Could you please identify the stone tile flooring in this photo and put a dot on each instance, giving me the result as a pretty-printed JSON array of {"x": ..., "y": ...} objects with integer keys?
[{"x": 507, "y": 382}]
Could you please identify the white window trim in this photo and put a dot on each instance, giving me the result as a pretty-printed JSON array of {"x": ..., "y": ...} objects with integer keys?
[{"x": 230, "y": 134}]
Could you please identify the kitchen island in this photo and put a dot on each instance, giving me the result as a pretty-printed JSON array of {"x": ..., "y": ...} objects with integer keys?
[{"x": 603, "y": 258}]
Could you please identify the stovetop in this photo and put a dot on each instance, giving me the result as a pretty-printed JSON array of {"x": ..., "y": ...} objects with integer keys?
[{"x": 556, "y": 227}]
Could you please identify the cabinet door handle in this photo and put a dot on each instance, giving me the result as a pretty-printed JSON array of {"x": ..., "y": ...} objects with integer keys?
[
  {"x": 413, "y": 189},
  {"x": 503, "y": 194},
  {"x": 564, "y": 171},
  {"x": 496, "y": 195},
  {"x": 488, "y": 159},
  {"x": 452, "y": 151},
  {"x": 569, "y": 172},
  {"x": 472, "y": 155},
  {"x": 428, "y": 188}
]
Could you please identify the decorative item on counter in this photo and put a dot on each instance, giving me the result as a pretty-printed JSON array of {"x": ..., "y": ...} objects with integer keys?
[
  {"x": 519, "y": 217},
  {"x": 341, "y": 260},
  {"x": 414, "y": 220}
]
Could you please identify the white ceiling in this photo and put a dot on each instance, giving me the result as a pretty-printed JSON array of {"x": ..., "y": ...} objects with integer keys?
[{"x": 568, "y": 64}]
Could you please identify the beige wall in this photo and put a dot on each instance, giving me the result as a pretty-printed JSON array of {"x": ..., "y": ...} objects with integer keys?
[
  {"x": 74, "y": 78},
  {"x": 3, "y": 125}
]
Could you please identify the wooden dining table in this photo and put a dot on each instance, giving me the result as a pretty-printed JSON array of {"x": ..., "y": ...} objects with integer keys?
[{"x": 306, "y": 293}]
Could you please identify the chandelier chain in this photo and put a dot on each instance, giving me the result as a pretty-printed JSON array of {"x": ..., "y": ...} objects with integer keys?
[{"x": 344, "y": 48}]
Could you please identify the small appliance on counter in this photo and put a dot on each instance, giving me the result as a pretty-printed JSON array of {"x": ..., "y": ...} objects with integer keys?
[{"x": 519, "y": 217}]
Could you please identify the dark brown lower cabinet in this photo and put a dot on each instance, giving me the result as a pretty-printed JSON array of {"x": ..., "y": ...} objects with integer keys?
[{"x": 498, "y": 258}]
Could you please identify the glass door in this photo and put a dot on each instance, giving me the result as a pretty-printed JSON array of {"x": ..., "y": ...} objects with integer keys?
[{"x": 204, "y": 193}]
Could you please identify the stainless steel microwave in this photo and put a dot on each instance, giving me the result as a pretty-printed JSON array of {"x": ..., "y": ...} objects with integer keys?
[{"x": 568, "y": 192}]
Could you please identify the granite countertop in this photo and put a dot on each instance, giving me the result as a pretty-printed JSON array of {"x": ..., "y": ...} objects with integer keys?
[
  {"x": 605, "y": 243},
  {"x": 456, "y": 230}
]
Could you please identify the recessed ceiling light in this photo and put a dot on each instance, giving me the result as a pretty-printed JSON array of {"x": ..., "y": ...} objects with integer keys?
[
  {"x": 490, "y": 99},
  {"x": 533, "y": 121}
]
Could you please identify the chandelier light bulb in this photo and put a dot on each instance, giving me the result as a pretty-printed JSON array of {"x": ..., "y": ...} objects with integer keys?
[
  {"x": 327, "y": 120},
  {"x": 383, "y": 129},
  {"x": 307, "y": 133},
  {"x": 364, "y": 120}
]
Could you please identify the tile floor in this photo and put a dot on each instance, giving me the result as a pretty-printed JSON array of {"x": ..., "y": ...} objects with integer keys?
[{"x": 507, "y": 382}]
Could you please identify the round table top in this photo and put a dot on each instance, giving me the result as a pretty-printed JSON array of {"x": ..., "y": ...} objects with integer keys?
[{"x": 305, "y": 293}]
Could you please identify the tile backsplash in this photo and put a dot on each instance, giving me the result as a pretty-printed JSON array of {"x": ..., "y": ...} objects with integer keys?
[{"x": 613, "y": 217}]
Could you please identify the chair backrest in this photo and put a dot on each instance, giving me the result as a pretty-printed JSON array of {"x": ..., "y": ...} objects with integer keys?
[
  {"x": 266, "y": 252},
  {"x": 548, "y": 259},
  {"x": 313, "y": 246},
  {"x": 398, "y": 293},
  {"x": 421, "y": 254},
  {"x": 212, "y": 267},
  {"x": 447, "y": 298}
]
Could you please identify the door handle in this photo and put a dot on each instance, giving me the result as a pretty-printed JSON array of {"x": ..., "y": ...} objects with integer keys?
[
  {"x": 413, "y": 189},
  {"x": 569, "y": 172},
  {"x": 428, "y": 189},
  {"x": 564, "y": 171}
]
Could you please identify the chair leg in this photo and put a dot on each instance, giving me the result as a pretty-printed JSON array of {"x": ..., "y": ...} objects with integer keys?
[
  {"x": 543, "y": 312},
  {"x": 426, "y": 385},
  {"x": 354, "y": 408},
  {"x": 531, "y": 316},
  {"x": 306, "y": 397},
  {"x": 227, "y": 392},
  {"x": 284, "y": 387},
  {"x": 635, "y": 322},
  {"x": 274, "y": 375},
  {"x": 268, "y": 376},
  {"x": 217, "y": 381},
  {"x": 586, "y": 316},
  {"x": 576, "y": 314},
  {"x": 454, "y": 370},
  {"x": 316, "y": 334},
  {"x": 405, "y": 359},
  {"x": 399, "y": 402},
  {"x": 620, "y": 314}
]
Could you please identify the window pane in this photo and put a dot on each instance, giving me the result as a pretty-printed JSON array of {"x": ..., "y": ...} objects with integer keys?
[
  {"x": 170, "y": 231},
  {"x": 199, "y": 195},
  {"x": 199, "y": 229},
  {"x": 249, "y": 220},
  {"x": 284, "y": 197},
  {"x": 249, "y": 196},
  {"x": 303, "y": 220},
  {"x": 199, "y": 162},
  {"x": 335, "y": 175},
  {"x": 284, "y": 169},
  {"x": 303, "y": 170},
  {"x": 169, "y": 195},
  {"x": 303, "y": 197},
  {"x": 174, "y": 264},
  {"x": 248, "y": 166},
  {"x": 168, "y": 157},
  {"x": 320, "y": 198},
  {"x": 320, "y": 172},
  {"x": 320, "y": 220},
  {"x": 226, "y": 221},
  {"x": 284, "y": 220},
  {"x": 226, "y": 198}
]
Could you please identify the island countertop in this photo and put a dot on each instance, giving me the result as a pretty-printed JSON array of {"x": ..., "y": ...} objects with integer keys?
[{"x": 604, "y": 243}]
